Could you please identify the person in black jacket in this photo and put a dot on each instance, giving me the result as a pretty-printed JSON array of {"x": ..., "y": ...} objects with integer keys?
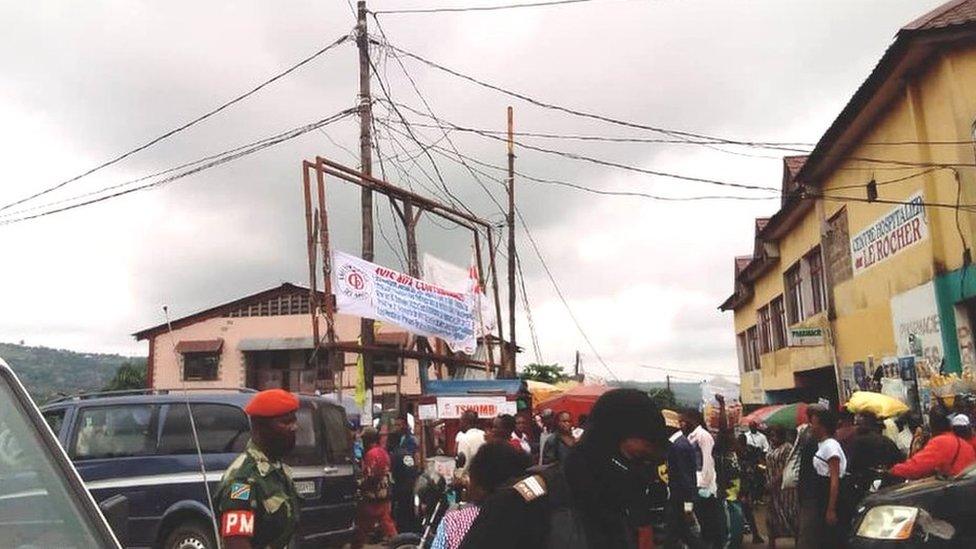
[
  {"x": 683, "y": 489},
  {"x": 591, "y": 500}
]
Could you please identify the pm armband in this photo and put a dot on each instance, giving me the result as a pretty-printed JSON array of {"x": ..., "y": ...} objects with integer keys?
[{"x": 237, "y": 524}]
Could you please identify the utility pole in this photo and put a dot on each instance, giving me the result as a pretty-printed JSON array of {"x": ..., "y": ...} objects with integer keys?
[
  {"x": 576, "y": 366},
  {"x": 511, "y": 241},
  {"x": 366, "y": 161}
]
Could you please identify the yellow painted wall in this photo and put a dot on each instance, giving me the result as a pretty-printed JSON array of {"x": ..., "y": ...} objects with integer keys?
[{"x": 936, "y": 105}]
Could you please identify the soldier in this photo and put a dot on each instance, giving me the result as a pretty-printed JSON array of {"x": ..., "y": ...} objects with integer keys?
[{"x": 257, "y": 502}]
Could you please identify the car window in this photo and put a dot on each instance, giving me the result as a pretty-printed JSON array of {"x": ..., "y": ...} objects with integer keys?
[
  {"x": 337, "y": 443},
  {"x": 115, "y": 431},
  {"x": 307, "y": 450},
  {"x": 55, "y": 419},
  {"x": 37, "y": 507},
  {"x": 221, "y": 428}
]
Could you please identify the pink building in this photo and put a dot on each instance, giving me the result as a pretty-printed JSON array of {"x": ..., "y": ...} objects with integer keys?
[{"x": 263, "y": 341}]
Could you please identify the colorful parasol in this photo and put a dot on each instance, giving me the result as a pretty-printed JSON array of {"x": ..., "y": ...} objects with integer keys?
[
  {"x": 542, "y": 392},
  {"x": 577, "y": 400},
  {"x": 784, "y": 415}
]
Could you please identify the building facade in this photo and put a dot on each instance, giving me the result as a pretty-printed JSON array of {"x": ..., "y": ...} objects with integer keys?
[
  {"x": 868, "y": 260},
  {"x": 264, "y": 341}
]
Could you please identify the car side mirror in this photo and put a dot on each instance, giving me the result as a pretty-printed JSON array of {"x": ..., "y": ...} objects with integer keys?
[{"x": 116, "y": 512}]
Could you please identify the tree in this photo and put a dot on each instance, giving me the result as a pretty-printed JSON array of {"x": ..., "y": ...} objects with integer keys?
[
  {"x": 546, "y": 373},
  {"x": 127, "y": 377},
  {"x": 664, "y": 398}
]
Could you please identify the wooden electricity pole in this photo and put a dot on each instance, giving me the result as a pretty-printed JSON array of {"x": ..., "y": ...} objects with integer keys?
[
  {"x": 366, "y": 161},
  {"x": 511, "y": 242}
]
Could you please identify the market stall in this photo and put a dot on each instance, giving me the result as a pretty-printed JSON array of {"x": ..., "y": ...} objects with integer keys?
[{"x": 443, "y": 402}]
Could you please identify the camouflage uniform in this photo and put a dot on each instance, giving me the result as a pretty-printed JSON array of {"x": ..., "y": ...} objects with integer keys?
[{"x": 255, "y": 483}]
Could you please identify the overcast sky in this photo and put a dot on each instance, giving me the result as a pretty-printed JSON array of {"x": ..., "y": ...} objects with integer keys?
[{"x": 83, "y": 82}]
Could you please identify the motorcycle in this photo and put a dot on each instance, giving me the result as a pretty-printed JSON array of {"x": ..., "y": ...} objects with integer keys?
[{"x": 433, "y": 496}]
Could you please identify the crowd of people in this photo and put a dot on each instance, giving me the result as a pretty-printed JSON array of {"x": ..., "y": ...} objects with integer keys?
[{"x": 555, "y": 480}]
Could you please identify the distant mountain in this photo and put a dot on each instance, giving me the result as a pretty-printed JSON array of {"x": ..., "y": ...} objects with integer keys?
[
  {"x": 47, "y": 372},
  {"x": 686, "y": 394}
]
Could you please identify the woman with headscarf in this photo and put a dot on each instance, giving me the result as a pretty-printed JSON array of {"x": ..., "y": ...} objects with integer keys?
[
  {"x": 781, "y": 515},
  {"x": 495, "y": 464}
]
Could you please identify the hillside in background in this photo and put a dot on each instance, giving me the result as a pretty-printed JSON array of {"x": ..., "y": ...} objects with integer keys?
[{"x": 46, "y": 372}]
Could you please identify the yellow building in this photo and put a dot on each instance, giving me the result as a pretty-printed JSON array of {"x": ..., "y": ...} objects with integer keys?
[{"x": 867, "y": 261}]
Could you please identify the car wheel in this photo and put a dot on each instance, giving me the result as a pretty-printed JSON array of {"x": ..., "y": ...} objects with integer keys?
[{"x": 190, "y": 535}]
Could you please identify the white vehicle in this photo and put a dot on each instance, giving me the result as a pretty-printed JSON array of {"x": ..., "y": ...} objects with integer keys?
[{"x": 43, "y": 502}]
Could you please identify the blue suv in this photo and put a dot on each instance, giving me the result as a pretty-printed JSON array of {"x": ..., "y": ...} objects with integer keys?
[{"x": 141, "y": 446}]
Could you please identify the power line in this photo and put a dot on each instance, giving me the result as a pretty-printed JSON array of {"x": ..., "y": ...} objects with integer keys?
[
  {"x": 178, "y": 129},
  {"x": 479, "y": 8},
  {"x": 689, "y": 137},
  {"x": 559, "y": 293},
  {"x": 448, "y": 154},
  {"x": 536, "y": 348},
  {"x": 220, "y": 159},
  {"x": 608, "y": 163},
  {"x": 430, "y": 111}
]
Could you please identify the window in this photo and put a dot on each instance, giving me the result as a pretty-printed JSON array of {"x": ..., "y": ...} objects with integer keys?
[
  {"x": 793, "y": 281},
  {"x": 115, "y": 431},
  {"x": 778, "y": 322},
  {"x": 285, "y": 304},
  {"x": 220, "y": 429},
  {"x": 817, "y": 286},
  {"x": 765, "y": 332},
  {"x": 386, "y": 364},
  {"x": 55, "y": 419},
  {"x": 752, "y": 351},
  {"x": 200, "y": 366},
  {"x": 39, "y": 506}
]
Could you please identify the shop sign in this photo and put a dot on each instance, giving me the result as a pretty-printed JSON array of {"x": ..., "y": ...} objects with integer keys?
[
  {"x": 917, "y": 329},
  {"x": 899, "y": 229},
  {"x": 486, "y": 406},
  {"x": 806, "y": 337}
]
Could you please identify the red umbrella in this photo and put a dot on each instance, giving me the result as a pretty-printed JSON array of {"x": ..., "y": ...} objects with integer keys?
[{"x": 576, "y": 401}]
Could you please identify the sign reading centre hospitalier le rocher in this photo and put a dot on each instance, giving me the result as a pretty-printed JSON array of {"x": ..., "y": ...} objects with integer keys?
[
  {"x": 369, "y": 290},
  {"x": 899, "y": 229}
]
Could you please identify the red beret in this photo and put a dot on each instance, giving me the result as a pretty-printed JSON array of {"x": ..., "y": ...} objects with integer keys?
[{"x": 271, "y": 403}]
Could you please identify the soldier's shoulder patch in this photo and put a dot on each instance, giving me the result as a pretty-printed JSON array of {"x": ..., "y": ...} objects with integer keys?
[
  {"x": 531, "y": 488},
  {"x": 240, "y": 491}
]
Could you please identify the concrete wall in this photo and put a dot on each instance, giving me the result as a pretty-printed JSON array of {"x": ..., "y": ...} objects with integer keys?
[{"x": 167, "y": 365}]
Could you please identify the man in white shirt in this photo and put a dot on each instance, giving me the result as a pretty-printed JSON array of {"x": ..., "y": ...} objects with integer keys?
[
  {"x": 468, "y": 440},
  {"x": 757, "y": 439},
  {"x": 707, "y": 504}
]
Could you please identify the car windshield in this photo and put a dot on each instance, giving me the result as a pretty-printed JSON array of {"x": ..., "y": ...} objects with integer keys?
[{"x": 37, "y": 506}]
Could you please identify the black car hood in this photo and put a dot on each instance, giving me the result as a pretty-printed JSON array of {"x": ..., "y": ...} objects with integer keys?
[{"x": 916, "y": 492}]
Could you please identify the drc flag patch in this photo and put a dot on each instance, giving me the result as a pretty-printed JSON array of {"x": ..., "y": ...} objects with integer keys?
[{"x": 241, "y": 491}]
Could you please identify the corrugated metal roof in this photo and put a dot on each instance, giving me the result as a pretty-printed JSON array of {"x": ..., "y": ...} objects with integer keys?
[{"x": 950, "y": 14}]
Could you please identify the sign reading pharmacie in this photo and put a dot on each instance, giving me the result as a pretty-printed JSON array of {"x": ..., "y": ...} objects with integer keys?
[
  {"x": 899, "y": 229},
  {"x": 806, "y": 337},
  {"x": 369, "y": 290}
]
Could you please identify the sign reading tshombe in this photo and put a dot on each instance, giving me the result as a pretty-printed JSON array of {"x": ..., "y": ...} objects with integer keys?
[
  {"x": 369, "y": 290},
  {"x": 897, "y": 230}
]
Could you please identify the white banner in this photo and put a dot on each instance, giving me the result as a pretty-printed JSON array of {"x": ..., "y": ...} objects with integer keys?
[
  {"x": 901, "y": 228},
  {"x": 368, "y": 290},
  {"x": 487, "y": 406},
  {"x": 458, "y": 279}
]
